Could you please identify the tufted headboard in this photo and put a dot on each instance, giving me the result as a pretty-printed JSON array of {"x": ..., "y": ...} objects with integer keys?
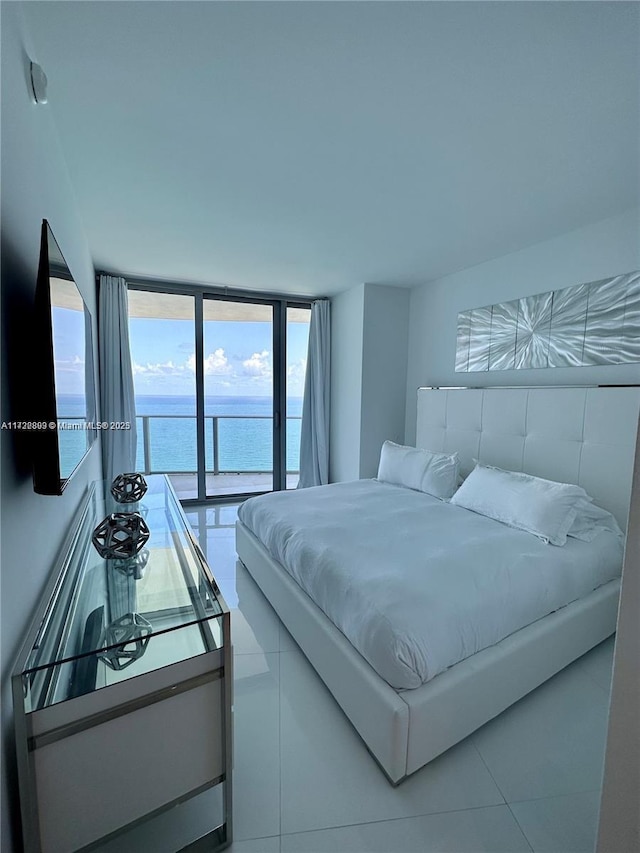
[{"x": 580, "y": 435}]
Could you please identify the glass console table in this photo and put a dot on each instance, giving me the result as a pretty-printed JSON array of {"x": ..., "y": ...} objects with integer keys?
[{"x": 123, "y": 693}]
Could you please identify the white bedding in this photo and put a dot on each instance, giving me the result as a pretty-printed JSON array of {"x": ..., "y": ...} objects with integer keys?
[{"x": 416, "y": 584}]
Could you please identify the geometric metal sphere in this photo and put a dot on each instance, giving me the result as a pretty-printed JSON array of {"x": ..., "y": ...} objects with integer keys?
[
  {"x": 127, "y": 488},
  {"x": 120, "y": 535},
  {"x": 133, "y": 567},
  {"x": 129, "y": 635}
]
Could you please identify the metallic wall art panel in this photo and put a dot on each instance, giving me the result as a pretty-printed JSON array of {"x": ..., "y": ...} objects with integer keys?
[
  {"x": 504, "y": 319},
  {"x": 532, "y": 331},
  {"x": 568, "y": 321},
  {"x": 631, "y": 331},
  {"x": 605, "y": 323},
  {"x": 588, "y": 324},
  {"x": 479, "y": 339},
  {"x": 462, "y": 341}
]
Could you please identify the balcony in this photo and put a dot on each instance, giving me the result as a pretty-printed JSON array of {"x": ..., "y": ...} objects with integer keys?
[{"x": 238, "y": 452}]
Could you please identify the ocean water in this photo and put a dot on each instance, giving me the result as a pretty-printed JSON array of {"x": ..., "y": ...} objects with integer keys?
[{"x": 244, "y": 426}]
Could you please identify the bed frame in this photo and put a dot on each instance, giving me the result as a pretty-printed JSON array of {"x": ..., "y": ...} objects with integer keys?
[{"x": 577, "y": 435}]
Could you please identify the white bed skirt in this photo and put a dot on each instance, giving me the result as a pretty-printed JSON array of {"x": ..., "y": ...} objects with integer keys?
[{"x": 406, "y": 729}]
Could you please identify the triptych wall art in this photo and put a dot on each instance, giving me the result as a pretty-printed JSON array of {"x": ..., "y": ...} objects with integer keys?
[{"x": 588, "y": 324}]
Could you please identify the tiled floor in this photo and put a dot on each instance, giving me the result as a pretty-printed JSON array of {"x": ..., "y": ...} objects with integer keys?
[{"x": 304, "y": 782}]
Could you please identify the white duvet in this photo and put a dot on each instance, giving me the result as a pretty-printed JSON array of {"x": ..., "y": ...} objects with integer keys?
[{"x": 417, "y": 584}]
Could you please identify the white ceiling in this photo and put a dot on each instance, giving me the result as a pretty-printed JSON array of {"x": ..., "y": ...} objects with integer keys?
[{"x": 308, "y": 147}]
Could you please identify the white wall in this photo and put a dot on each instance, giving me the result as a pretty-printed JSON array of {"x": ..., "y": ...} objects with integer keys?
[
  {"x": 605, "y": 249},
  {"x": 347, "y": 319},
  {"x": 35, "y": 185},
  {"x": 384, "y": 371},
  {"x": 369, "y": 328}
]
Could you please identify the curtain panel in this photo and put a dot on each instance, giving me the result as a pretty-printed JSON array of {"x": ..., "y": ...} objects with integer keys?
[
  {"x": 314, "y": 431},
  {"x": 117, "y": 399}
]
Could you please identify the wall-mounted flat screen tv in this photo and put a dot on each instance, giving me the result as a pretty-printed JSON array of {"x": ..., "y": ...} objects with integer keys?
[{"x": 64, "y": 392}]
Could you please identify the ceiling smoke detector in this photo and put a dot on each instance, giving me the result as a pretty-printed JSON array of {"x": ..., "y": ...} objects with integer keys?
[{"x": 38, "y": 83}]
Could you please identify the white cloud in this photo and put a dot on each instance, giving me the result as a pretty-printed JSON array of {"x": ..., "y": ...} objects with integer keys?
[
  {"x": 297, "y": 370},
  {"x": 167, "y": 368},
  {"x": 258, "y": 365},
  {"x": 70, "y": 365},
  {"x": 215, "y": 364},
  {"x": 295, "y": 377}
]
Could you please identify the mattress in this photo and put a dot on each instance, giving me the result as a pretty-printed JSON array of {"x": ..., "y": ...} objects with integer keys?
[{"x": 414, "y": 583}]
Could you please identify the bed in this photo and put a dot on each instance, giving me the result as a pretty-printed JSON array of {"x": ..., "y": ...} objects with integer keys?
[{"x": 411, "y": 703}]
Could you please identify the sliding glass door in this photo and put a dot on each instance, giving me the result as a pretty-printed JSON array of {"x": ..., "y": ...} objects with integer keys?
[
  {"x": 162, "y": 340},
  {"x": 219, "y": 381},
  {"x": 238, "y": 396}
]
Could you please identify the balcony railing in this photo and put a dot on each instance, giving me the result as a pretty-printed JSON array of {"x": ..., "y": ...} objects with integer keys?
[{"x": 262, "y": 446}]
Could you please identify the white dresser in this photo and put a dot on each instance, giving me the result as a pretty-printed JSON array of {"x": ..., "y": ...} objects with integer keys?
[{"x": 123, "y": 694}]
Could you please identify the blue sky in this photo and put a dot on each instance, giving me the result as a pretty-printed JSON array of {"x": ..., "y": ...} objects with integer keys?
[{"x": 238, "y": 357}]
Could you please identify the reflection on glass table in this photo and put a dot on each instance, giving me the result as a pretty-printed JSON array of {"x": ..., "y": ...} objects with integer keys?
[{"x": 111, "y": 620}]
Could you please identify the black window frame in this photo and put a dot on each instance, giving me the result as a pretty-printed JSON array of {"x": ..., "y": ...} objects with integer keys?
[{"x": 280, "y": 302}]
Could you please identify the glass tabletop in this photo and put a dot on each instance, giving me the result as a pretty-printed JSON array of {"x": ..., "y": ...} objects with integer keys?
[{"x": 111, "y": 619}]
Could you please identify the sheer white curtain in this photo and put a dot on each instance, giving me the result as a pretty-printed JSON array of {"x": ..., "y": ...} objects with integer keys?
[
  {"x": 314, "y": 431},
  {"x": 117, "y": 400}
]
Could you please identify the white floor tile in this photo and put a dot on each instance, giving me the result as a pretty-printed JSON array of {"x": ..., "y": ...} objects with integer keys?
[
  {"x": 329, "y": 778},
  {"x": 220, "y": 553},
  {"x": 475, "y": 831},
  {"x": 256, "y": 771},
  {"x": 227, "y": 587},
  {"x": 598, "y": 663},
  {"x": 566, "y": 824},
  {"x": 255, "y": 626},
  {"x": 551, "y": 742},
  {"x": 256, "y": 845},
  {"x": 223, "y": 514},
  {"x": 214, "y": 528},
  {"x": 287, "y": 643},
  {"x": 227, "y": 531}
]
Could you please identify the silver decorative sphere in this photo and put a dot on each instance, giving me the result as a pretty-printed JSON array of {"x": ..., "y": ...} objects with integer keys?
[
  {"x": 120, "y": 535},
  {"x": 127, "y": 488},
  {"x": 133, "y": 567},
  {"x": 129, "y": 635}
]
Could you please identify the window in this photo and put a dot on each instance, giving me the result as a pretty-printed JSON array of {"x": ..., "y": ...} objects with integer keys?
[{"x": 219, "y": 382}]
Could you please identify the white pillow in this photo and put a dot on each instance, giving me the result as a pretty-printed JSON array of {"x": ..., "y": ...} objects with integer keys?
[
  {"x": 592, "y": 520},
  {"x": 433, "y": 473},
  {"x": 542, "y": 507}
]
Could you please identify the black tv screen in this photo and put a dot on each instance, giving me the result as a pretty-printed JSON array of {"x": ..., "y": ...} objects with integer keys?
[{"x": 64, "y": 399}]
